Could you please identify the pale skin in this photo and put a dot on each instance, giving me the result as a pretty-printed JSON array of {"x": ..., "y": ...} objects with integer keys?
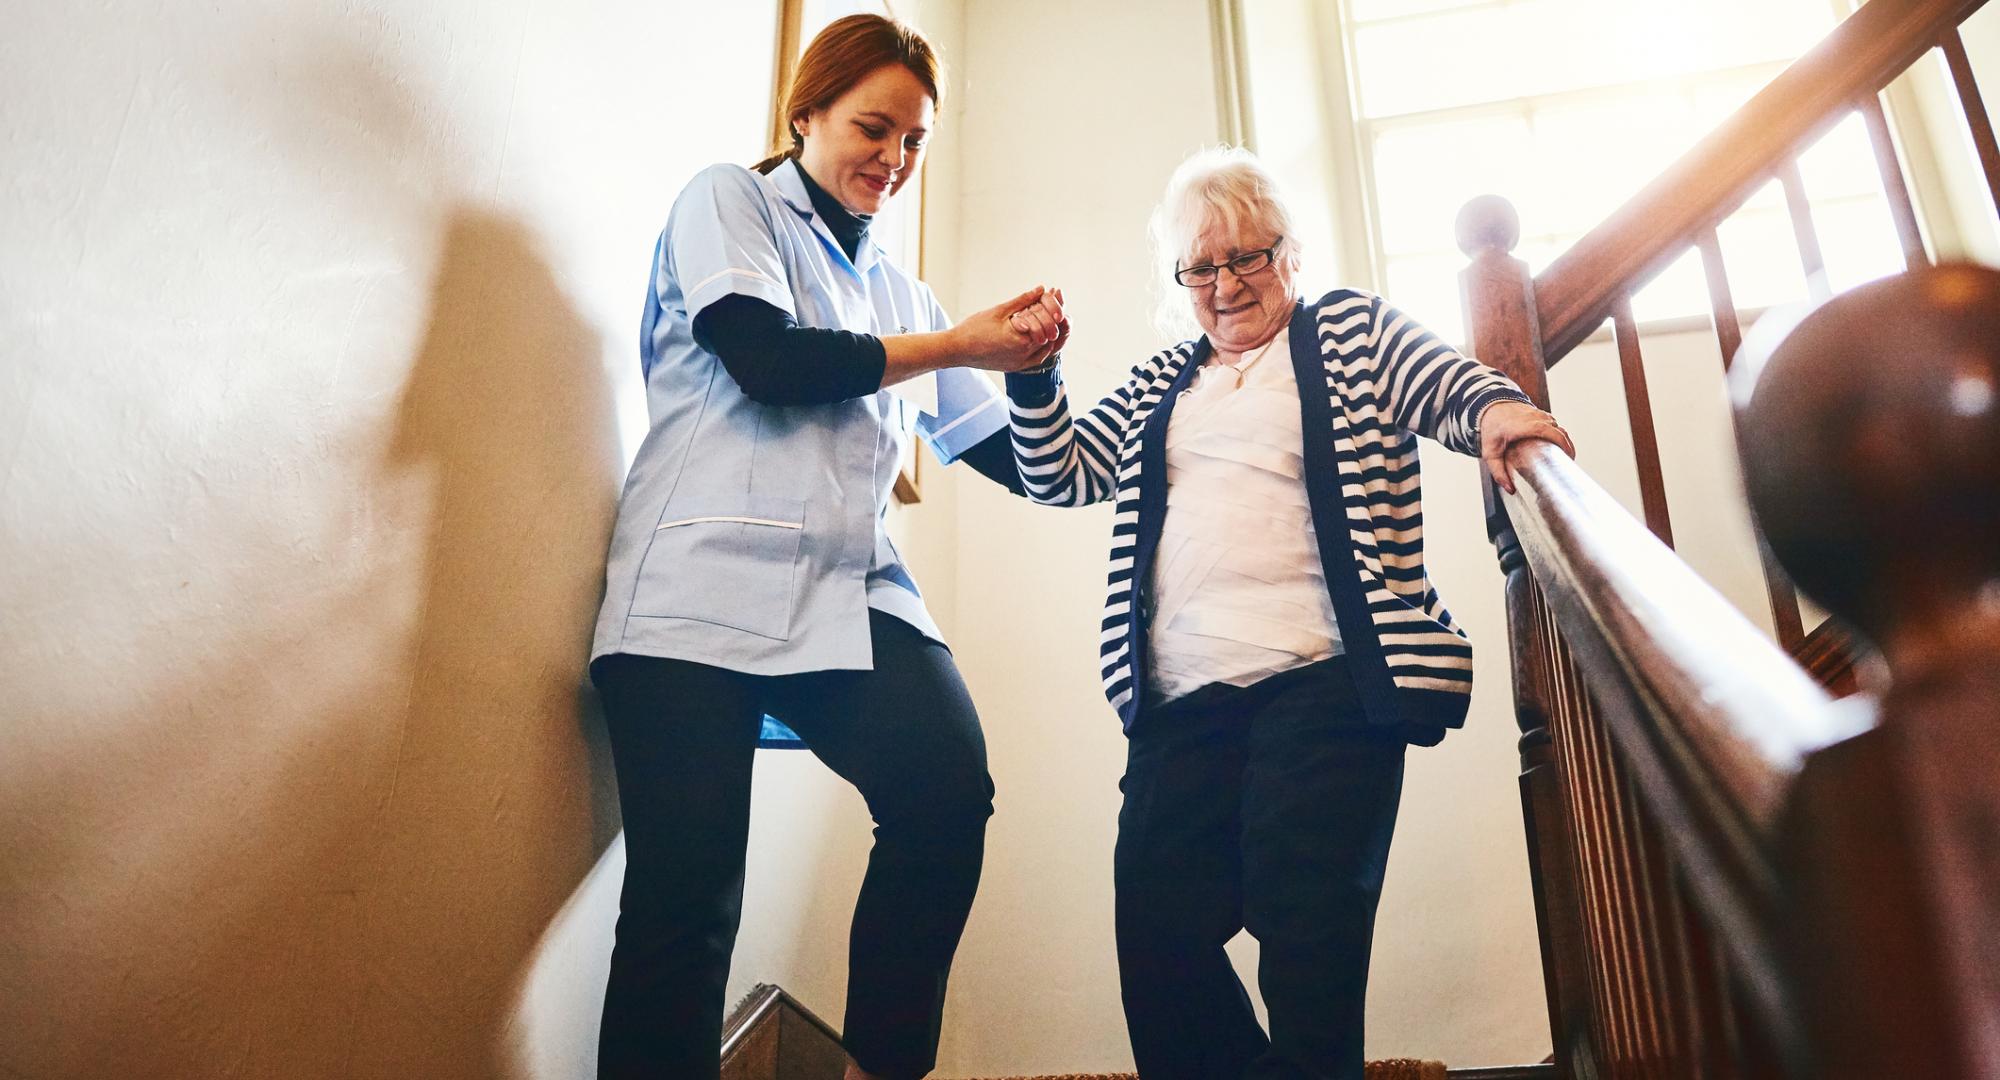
[
  {"x": 1243, "y": 314},
  {"x": 863, "y": 148}
]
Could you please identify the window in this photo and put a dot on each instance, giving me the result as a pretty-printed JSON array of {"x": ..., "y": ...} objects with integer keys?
[{"x": 1565, "y": 107}]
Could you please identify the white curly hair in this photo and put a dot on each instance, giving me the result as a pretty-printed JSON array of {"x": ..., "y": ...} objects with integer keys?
[{"x": 1215, "y": 185}]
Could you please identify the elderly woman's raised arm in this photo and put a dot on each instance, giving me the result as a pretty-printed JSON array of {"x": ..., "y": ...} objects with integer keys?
[
  {"x": 1434, "y": 390},
  {"x": 1065, "y": 461},
  {"x": 1428, "y": 386}
]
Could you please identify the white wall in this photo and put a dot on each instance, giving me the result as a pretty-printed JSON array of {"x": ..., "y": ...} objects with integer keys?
[{"x": 319, "y": 328}]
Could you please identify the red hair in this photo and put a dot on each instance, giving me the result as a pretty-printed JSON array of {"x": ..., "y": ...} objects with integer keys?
[{"x": 844, "y": 53}]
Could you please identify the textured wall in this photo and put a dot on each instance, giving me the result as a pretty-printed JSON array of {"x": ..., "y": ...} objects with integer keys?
[{"x": 318, "y": 332}]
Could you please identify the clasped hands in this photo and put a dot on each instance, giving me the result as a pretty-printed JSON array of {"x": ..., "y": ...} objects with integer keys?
[{"x": 1016, "y": 334}]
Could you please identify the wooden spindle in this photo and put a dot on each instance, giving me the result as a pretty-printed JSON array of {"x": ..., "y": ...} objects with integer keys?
[
  {"x": 1654, "y": 1033},
  {"x": 1625, "y": 913},
  {"x": 1785, "y": 622},
  {"x": 1639, "y": 413},
  {"x": 1811, "y": 259},
  {"x": 1581, "y": 801},
  {"x": 1721, "y": 303},
  {"x": 1545, "y": 810},
  {"x": 1503, "y": 331},
  {"x": 1890, "y": 164},
  {"x": 1659, "y": 916},
  {"x": 1718, "y": 1032},
  {"x": 1594, "y": 859},
  {"x": 1975, "y": 111}
]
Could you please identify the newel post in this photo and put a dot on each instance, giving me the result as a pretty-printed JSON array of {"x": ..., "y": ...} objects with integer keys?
[
  {"x": 1502, "y": 330},
  {"x": 1870, "y": 438}
]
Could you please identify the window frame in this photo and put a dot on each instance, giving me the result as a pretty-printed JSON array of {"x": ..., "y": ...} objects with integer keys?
[{"x": 1361, "y": 256}]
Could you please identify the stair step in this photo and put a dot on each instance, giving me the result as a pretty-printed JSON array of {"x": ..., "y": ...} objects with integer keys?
[{"x": 1392, "y": 1069}]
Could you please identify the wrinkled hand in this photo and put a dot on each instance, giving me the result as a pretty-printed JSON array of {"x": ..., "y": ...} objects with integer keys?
[
  {"x": 1042, "y": 317},
  {"x": 1508, "y": 422},
  {"x": 1014, "y": 335}
]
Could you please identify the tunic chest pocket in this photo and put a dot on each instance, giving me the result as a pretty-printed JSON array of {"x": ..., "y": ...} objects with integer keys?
[{"x": 728, "y": 560}]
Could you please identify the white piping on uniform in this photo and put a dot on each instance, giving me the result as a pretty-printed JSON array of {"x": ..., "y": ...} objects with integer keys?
[
  {"x": 733, "y": 520},
  {"x": 704, "y": 282},
  {"x": 989, "y": 403}
]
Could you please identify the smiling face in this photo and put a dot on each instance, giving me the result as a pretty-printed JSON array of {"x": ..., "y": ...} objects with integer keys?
[
  {"x": 1241, "y": 313},
  {"x": 867, "y": 144}
]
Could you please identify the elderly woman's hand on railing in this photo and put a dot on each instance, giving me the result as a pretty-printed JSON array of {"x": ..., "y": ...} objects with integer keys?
[{"x": 1505, "y": 423}]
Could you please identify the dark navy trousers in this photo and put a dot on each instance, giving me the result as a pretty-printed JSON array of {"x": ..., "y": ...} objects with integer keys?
[
  {"x": 1268, "y": 808},
  {"x": 682, "y": 739}
]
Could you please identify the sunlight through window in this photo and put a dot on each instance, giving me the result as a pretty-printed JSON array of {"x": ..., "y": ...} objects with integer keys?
[{"x": 1568, "y": 108}]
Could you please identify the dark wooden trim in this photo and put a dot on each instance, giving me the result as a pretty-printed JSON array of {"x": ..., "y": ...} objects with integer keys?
[
  {"x": 1974, "y": 106},
  {"x": 1862, "y": 55},
  {"x": 1890, "y": 164},
  {"x": 1711, "y": 719},
  {"x": 1811, "y": 259},
  {"x": 770, "y": 1036},
  {"x": 1831, "y": 654},
  {"x": 1785, "y": 622},
  {"x": 1639, "y": 415}
]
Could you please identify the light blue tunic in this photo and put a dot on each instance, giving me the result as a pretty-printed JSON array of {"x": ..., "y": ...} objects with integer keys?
[{"x": 750, "y": 536}]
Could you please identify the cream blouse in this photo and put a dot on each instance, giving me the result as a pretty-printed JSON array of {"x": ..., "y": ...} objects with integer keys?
[{"x": 1238, "y": 589}]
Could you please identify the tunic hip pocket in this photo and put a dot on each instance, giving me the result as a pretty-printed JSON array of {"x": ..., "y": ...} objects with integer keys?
[{"x": 728, "y": 560}]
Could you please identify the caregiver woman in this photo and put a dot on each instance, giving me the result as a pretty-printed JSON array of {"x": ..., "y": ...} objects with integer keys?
[
  {"x": 749, "y": 573},
  {"x": 1270, "y": 639}
]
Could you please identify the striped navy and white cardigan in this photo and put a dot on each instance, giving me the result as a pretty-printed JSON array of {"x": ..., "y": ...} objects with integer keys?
[{"x": 1386, "y": 380}]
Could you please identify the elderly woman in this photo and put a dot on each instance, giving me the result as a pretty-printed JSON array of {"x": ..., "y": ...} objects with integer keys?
[{"x": 1271, "y": 640}]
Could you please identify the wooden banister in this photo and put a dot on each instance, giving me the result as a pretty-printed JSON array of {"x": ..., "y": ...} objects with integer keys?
[
  {"x": 1863, "y": 54},
  {"x": 1871, "y": 451},
  {"x": 1735, "y": 875},
  {"x": 1739, "y": 715}
]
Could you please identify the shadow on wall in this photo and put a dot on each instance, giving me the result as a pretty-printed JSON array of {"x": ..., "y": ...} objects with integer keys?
[
  {"x": 298, "y": 766},
  {"x": 502, "y": 770},
  {"x": 327, "y": 840}
]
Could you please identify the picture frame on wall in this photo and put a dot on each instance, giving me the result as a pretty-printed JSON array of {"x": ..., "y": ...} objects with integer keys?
[{"x": 900, "y": 229}]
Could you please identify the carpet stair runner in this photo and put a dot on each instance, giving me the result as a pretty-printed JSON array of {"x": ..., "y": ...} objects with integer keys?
[
  {"x": 1392, "y": 1069},
  {"x": 770, "y": 1036}
]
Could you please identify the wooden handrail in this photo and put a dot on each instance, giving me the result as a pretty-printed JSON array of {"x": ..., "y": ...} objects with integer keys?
[
  {"x": 1740, "y": 710},
  {"x": 1734, "y": 875},
  {"x": 1861, "y": 56},
  {"x": 1713, "y": 718}
]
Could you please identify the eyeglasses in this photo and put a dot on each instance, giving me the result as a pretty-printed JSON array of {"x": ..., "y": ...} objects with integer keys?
[{"x": 1250, "y": 262}]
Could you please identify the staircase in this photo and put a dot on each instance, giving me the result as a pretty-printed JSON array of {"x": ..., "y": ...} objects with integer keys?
[
  {"x": 1736, "y": 874},
  {"x": 1743, "y": 865},
  {"x": 770, "y": 1036}
]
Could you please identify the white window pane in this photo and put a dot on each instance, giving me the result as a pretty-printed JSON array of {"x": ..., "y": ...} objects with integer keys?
[
  {"x": 1679, "y": 291},
  {"x": 1524, "y": 48},
  {"x": 1362, "y": 11},
  {"x": 1859, "y": 240},
  {"x": 1718, "y": 95},
  {"x": 1425, "y": 173},
  {"x": 1425, "y": 287},
  {"x": 1842, "y": 163},
  {"x": 1569, "y": 108},
  {"x": 1761, "y": 258},
  {"x": 1592, "y": 156},
  {"x": 1439, "y": 61}
]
